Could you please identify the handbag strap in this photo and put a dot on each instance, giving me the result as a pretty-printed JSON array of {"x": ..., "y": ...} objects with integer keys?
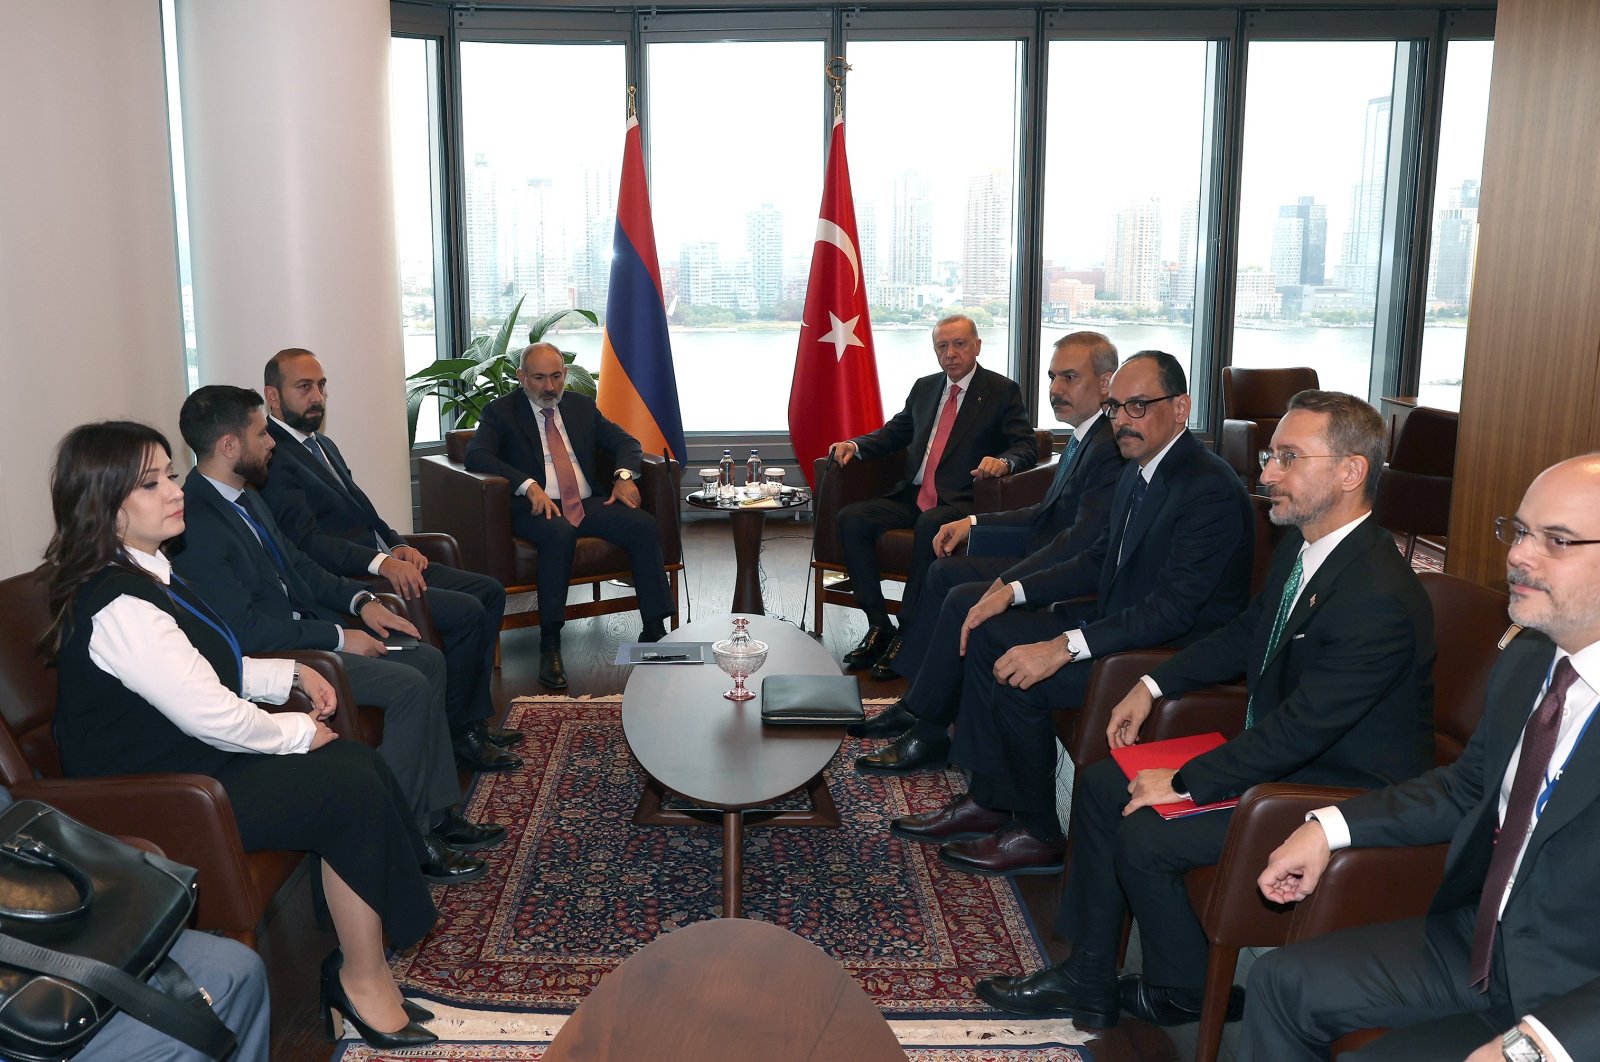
[
  {"x": 38, "y": 854},
  {"x": 190, "y": 1023}
]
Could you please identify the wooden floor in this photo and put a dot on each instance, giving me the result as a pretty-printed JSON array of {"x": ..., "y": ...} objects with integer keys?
[{"x": 293, "y": 946}]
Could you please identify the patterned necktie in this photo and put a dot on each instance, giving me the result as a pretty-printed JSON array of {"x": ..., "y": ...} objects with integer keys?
[
  {"x": 1538, "y": 745},
  {"x": 1285, "y": 603},
  {"x": 1140, "y": 485},
  {"x": 928, "y": 496},
  {"x": 322, "y": 455},
  {"x": 566, "y": 477},
  {"x": 1059, "y": 484}
]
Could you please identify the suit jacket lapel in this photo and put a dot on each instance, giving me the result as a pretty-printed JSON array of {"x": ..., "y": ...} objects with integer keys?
[
  {"x": 301, "y": 453},
  {"x": 533, "y": 430},
  {"x": 1156, "y": 495},
  {"x": 1315, "y": 592},
  {"x": 347, "y": 482},
  {"x": 969, "y": 411},
  {"x": 1578, "y": 790},
  {"x": 927, "y": 404},
  {"x": 1119, "y": 519}
]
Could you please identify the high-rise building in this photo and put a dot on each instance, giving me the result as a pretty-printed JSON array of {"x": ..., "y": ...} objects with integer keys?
[
  {"x": 764, "y": 241},
  {"x": 698, "y": 265},
  {"x": 1255, "y": 293},
  {"x": 1363, "y": 240},
  {"x": 867, "y": 234},
  {"x": 986, "y": 239},
  {"x": 483, "y": 241},
  {"x": 1455, "y": 248},
  {"x": 538, "y": 270},
  {"x": 911, "y": 235},
  {"x": 1300, "y": 243},
  {"x": 1133, "y": 263},
  {"x": 591, "y": 259},
  {"x": 1182, "y": 297}
]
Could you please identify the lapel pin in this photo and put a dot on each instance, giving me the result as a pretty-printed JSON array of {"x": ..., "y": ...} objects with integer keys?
[{"x": 1313, "y": 603}]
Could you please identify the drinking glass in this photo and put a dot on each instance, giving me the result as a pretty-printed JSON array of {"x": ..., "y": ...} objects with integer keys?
[
  {"x": 774, "y": 482},
  {"x": 709, "y": 480}
]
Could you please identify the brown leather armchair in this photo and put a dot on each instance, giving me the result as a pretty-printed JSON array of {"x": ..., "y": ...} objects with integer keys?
[
  {"x": 187, "y": 815},
  {"x": 475, "y": 510},
  {"x": 1414, "y": 488},
  {"x": 1468, "y": 625},
  {"x": 1253, "y": 401},
  {"x": 873, "y": 478}
]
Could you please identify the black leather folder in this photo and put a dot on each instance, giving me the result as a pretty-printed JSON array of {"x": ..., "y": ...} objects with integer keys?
[{"x": 814, "y": 700}]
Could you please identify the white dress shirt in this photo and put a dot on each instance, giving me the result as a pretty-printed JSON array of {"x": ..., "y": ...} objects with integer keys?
[
  {"x": 143, "y": 647},
  {"x": 550, "y": 478},
  {"x": 965, "y": 383}
]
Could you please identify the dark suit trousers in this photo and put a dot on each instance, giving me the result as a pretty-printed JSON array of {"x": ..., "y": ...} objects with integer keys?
[
  {"x": 633, "y": 529},
  {"x": 1409, "y": 976},
  {"x": 861, "y": 523},
  {"x": 467, "y": 609},
  {"x": 409, "y": 687},
  {"x": 1137, "y": 862},
  {"x": 927, "y": 631},
  {"x": 1005, "y": 736}
]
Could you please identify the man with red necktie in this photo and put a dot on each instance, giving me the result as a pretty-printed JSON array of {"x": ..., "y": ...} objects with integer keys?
[{"x": 959, "y": 424}]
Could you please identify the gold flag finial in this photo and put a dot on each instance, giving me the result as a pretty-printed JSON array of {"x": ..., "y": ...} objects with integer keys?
[
  {"x": 633, "y": 96},
  {"x": 835, "y": 70}
]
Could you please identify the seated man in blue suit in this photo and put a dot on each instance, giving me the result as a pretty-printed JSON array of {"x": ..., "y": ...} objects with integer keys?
[
  {"x": 960, "y": 424},
  {"x": 544, "y": 442},
  {"x": 323, "y": 511},
  {"x": 1171, "y": 565},
  {"x": 1068, "y": 520}
]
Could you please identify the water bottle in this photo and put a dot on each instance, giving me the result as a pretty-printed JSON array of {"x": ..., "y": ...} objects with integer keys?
[
  {"x": 725, "y": 466},
  {"x": 752, "y": 470}
]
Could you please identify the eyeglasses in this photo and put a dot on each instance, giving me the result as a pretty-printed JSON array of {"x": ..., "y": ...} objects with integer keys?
[
  {"x": 1136, "y": 407},
  {"x": 1285, "y": 458},
  {"x": 1508, "y": 530}
]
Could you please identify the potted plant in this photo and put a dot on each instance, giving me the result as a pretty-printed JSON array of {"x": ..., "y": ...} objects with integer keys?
[{"x": 487, "y": 370}]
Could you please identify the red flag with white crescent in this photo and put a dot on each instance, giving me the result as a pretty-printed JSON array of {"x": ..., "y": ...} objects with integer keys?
[{"x": 834, "y": 395}]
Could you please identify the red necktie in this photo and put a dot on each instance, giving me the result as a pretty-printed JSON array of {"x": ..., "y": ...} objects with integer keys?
[
  {"x": 566, "y": 477},
  {"x": 928, "y": 496},
  {"x": 1538, "y": 745}
]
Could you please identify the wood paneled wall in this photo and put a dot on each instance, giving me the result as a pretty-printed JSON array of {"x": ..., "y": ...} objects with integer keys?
[{"x": 1531, "y": 392}]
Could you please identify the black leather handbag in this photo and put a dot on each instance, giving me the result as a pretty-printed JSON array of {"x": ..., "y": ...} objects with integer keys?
[{"x": 85, "y": 921}]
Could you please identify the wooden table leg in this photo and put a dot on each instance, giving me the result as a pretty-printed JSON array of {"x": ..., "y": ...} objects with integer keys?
[
  {"x": 747, "y": 525},
  {"x": 732, "y": 864}
]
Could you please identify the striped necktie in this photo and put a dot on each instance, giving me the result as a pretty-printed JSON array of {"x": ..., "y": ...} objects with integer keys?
[{"x": 1059, "y": 484}]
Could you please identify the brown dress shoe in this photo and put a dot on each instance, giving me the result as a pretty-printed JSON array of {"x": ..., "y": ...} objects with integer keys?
[
  {"x": 1009, "y": 850},
  {"x": 962, "y": 817}
]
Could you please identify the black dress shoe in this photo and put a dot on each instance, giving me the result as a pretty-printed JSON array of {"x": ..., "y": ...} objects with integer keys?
[
  {"x": 502, "y": 737},
  {"x": 1090, "y": 1001},
  {"x": 884, "y": 670},
  {"x": 416, "y": 1011},
  {"x": 1009, "y": 850},
  {"x": 464, "y": 836},
  {"x": 446, "y": 866},
  {"x": 891, "y": 722},
  {"x": 476, "y": 752},
  {"x": 552, "y": 675},
  {"x": 962, "y": 817},
  {"x": 1170, "y": 1006},
  {"x": 654, "y": 631},
  {"x": 905, "y": 754},
  {"x": 870, "y": 647}
]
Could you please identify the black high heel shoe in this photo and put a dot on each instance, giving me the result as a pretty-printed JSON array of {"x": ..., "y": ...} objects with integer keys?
[
  {"x": 416, "y": 1011},
  {"x": 335, "y": 1005}
]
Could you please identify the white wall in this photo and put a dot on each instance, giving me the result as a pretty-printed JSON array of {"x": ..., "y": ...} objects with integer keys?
[{"x": 90, "y": 320}]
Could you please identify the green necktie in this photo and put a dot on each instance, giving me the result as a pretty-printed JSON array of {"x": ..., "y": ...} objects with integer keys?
[{"x": 1290, "y": 589}]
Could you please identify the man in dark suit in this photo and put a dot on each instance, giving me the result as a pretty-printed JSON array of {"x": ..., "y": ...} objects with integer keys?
[
  {"x": 960, "y": 423},
  {"x": 1171, "y": 565},
  {"x": 1337, "y": 651},
  {"x": 275, "y": 598},
  {"x": 322, "y": 510},
  {"x": 1068, "y": 520},
  {"x": 554, "y": 487},
  {"x": 1507, "y": 962}
]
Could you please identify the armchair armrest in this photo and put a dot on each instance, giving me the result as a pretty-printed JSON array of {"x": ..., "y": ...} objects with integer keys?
[
  {"x": 1238, "y": 445},
  {"x": 1016, "y": 490},
  {"x": 473, "y": 508},
  {"x": 1113, "y": 676},
  {"x": 346, "y": 721},
  {"x": 438, "y": 547},
  {"x": 658, "y": 494},
  {"x": 839, "y": 485}
]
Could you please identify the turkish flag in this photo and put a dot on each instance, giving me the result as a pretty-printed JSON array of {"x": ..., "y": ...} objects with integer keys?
[{"x": 834, "y": 395}]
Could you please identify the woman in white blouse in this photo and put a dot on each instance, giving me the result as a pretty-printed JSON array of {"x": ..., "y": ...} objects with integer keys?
[{"x": 151, "y": 680}]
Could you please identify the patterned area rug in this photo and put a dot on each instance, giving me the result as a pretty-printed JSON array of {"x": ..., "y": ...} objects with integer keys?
[
  {"x": 577, "y": 888},
  {"x": 486, "y": 1052}
]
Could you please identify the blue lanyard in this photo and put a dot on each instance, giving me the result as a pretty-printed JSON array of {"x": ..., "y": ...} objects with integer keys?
[
  {"x": 216, "y": 625},
  {"x": 1550, "y": 782}
]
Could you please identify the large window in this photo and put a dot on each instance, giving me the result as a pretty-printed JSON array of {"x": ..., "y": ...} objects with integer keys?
[
  {"x": 933, "y": 129},
  {"x": 1453, "y": 248},
  {"x": 1312, "y": 206},
  {"x": 1123, "y": 176},
  {"x": 736, "y": 178},
  {"x": 413, "y": 86}
]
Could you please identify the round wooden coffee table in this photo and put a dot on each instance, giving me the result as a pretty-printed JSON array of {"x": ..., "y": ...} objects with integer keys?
[
  {"x": 731, "y": 990},
  {"x": 747, "y": 524},
  {"x": 716, "y": 753}
]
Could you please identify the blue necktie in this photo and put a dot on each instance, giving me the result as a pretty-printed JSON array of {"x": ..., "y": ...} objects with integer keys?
[
  {"x": 1059, "y": 484},
  {"x": 1140, "y": 485},
  {"x": 243, "y": 505},
  {"x": 322, "y": 455}
]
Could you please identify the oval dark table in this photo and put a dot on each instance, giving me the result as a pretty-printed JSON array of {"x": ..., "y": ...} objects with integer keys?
[
  {"x": 715, "y": 752},
  {"x": 747, "y": 523},
  {"x": 731, "y": 990}
]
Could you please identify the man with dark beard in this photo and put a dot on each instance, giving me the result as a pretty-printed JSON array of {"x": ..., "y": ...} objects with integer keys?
[
  {"x": 325, "y": 513},
  {"x": 272, "y": 597},
  {"x": 1337, "y": 651}
]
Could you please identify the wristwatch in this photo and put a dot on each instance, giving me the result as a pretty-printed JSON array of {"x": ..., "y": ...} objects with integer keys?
[
  {"x": 1518, "y": 1046},
  {"x": 362, "y": 600},
  {"x": 623, "y": 474}
]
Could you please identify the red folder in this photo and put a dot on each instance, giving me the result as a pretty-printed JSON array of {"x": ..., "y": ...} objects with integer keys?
[{"x": 1171, "y": 755}]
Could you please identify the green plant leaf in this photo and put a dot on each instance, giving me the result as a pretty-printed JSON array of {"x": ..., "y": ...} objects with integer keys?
[
  {"x": 581, "y": 380},
  {"x": 548, "y": 321}
]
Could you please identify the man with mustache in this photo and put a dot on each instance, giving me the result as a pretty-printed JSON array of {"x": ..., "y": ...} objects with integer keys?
[
  {"x": 961, "y": 423},
  {"x": 1337, "y": 651},
  {"x": 1171, "y": 565},
  {"x": 323, "y": 511},
  {"x": 1506, "y": 964},
  {"x": 1068, "y": 520},
  {"x": 547, "y": 443}
]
